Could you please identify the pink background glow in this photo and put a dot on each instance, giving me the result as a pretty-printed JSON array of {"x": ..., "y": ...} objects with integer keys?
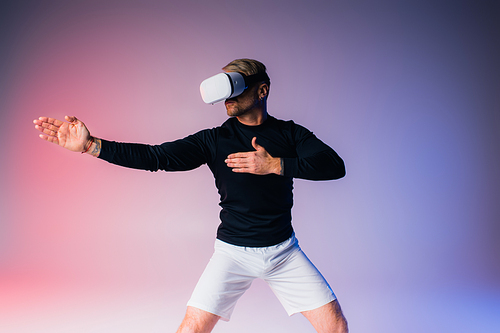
[{"x": 406, "y": 92}]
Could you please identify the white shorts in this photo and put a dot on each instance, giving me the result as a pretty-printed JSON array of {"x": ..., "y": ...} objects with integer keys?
[{"x": 298, "y": 285}]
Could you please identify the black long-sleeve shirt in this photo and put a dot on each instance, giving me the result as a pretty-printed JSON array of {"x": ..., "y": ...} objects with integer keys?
[{"x": 256, "y": 209}]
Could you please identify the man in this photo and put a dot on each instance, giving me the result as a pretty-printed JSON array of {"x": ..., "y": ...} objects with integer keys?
[{"x": 254, "y": 158}]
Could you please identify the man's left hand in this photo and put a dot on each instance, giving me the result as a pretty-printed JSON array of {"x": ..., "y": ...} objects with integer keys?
[{"x": 258, "y": 162}]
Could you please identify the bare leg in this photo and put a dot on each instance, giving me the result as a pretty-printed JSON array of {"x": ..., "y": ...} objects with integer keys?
[
  {"x": 198, "y": 321},
  {"x": 327, "y": 318}
]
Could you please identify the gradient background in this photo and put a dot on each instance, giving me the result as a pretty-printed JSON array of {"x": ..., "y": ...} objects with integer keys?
[{"x": 407, "y": 92}]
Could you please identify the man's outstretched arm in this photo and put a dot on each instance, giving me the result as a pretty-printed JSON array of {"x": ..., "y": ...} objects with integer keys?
[
  {"x": 72, "y": 134},
  {"x": 180, "y": 155}
]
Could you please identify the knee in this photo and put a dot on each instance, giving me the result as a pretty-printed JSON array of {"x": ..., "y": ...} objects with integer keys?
[
  {"x": 341, "y": 322},
  {"x": 327, "y": 318},
  {"x": 191, "y": 326},
  {"x": 197, "y": 321}
]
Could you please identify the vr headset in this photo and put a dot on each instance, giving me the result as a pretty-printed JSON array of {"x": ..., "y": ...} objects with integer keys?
[{"x": 226, "y": 85}]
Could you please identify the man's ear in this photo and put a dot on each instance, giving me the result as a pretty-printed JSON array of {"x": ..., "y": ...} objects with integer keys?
[{"x": 263, "y": 90}]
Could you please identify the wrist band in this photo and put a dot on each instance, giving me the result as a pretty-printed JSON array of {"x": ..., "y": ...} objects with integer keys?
[{"x": 90, "y": 145}]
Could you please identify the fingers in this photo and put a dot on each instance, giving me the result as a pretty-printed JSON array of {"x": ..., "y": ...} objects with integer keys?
[
  {"x": 71, "y": 134},
  {"x": 241, "y": 159},
  {"x": 48, "y": 131},
  {"x": 256, "y": 162},
  {"x": 51, "y": 121},
  {"x": 237, "y": 162},
  {"x": 239, "y": 155},
  {"x": 242, "y": 170},
  {"x": 245, "y": 168},
  {"x": 245, "y": 161},
  {"x": 242, "y": 167},
  {"x": 46, "y": 128},
  {"x": 71, "y": 119},
  {"x": 246, "y": 164},
  {"x": 255, "y": 145},
  {"x": 52, "y": 139},
  {"x": 50, "y": 126},
  {"x": 48, "y": 123}
]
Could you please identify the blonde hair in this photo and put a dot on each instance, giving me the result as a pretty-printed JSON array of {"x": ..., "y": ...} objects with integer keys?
[{"x": 246, "y": 67}]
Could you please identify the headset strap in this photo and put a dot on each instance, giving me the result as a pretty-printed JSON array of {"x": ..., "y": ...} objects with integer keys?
[{"x": 254, "y": 78}]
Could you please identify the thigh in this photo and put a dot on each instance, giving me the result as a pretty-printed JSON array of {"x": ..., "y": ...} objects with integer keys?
[
  {"x": 327, "y": 318},
  {"x": 223, "y": 282},
  {"x": 298, "y": 284}
]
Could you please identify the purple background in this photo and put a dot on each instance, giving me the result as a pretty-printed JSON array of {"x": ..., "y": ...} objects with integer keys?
[{"x": 406, "y": 92}]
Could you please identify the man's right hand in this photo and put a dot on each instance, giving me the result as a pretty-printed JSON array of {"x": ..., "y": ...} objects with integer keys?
[{"x": 72, "y": 135}]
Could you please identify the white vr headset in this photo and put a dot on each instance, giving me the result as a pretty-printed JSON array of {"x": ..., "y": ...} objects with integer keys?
[{"x": 222, "y": 86}]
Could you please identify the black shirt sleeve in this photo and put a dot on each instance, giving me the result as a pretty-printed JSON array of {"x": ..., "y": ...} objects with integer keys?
[
  {"x": 180, "y": 155},
  {"x": 315, "y": 160}
]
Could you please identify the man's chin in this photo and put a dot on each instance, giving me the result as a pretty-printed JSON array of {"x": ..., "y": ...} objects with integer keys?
[{"x": 231, "y": 112}]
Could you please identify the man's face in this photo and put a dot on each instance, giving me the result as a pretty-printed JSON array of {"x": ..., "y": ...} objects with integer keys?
[{"x": 244, "y": 103}]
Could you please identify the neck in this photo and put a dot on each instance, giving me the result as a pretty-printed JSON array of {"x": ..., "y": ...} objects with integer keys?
[{"x": 255, "y": 118}]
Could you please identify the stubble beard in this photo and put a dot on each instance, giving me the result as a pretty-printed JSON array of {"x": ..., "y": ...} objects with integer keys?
[
  {"x": 234, "y": 111},
  {"x": 237, "y": 110}
]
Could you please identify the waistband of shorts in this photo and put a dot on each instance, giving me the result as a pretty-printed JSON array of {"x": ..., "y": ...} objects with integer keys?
[{"x": 292, "y": 241}]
